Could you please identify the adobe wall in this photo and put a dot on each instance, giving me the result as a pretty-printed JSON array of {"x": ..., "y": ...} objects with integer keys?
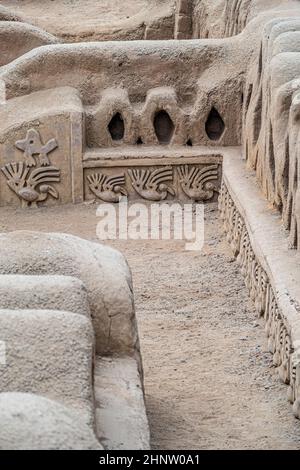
[
  {"x": 270, "y": 92},
  {"x": 225, "y": 18},
  {"x": 153, "y": 104},
  {"x": 269, "y": 156},
  {"x": 270, "y": 119},
  {"x": 69, "y": 348},
  {"x": 155, "y": 120},
  {"x": 99, "y": 21},
  {"x": 158, "y": 93}
]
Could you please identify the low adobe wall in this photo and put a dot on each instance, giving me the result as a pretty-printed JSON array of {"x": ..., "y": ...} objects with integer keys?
[
  {"x": 58, "y": 125},
  {"x": 271, "y": 119},
  {"x": 17, "y": 38},
  {"x": 99, "y": 21},
  {"x": 270, "y": 131},
  {"x": 226, "y": 18},
  {"x": 69, "y": 350},
  {"x": 270, "y": 269}
]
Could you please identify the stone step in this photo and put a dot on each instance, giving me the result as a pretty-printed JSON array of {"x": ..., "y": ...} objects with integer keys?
[{"x": 121, "y": 419}]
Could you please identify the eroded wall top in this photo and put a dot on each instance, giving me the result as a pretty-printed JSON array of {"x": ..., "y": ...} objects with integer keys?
[{"x": 99, "y": 21}]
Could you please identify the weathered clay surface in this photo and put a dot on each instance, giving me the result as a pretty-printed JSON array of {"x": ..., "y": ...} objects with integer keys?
[
  {"x": 52, "y": 292},
  {"x": 18, "y": 38},
  {"x": 271, "y": 119},
  {"x": 269, "y": 269},
  {"x": 103, "y": 271},
  {"x": 99, "y": 21},
  {"x": 31, "y": 422},
  {"x": 49, "y": 353},
  {"x": 194, "y": 176},
  {"x": 119, "y": 404},
  {"x": 151, "y": 120},
  {"x": 49, "y": 170},
  {"x": 90, "y": 111},
  {"x": 225, "y": 18},
  {"x": 61, "y": 303},
  {"x": 7, "y": 15},
  {"x": 197, "y": 300}
]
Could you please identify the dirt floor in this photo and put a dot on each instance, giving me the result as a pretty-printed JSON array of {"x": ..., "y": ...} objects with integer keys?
[
  {"x": 209, "y": 381},
  {"x": 98, "y": 18}
]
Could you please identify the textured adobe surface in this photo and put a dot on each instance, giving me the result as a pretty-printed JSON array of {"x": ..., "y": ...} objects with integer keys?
[
  {"x": 49, "y": 353},
  {"x": 99, "y": 20},
  {"x": 41, "y": 424},
  {"x": 235, "y": 400},
  {"x": 196, "y": 101}
]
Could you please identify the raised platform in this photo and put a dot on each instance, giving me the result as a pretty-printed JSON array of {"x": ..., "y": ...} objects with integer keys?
[{"x": 270, "y": 268}]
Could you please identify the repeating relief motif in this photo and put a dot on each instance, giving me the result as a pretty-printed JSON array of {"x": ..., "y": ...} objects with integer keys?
[
  {"x": 257, "y": 281},
  {"x": 199, "y": 184},
  {"x": 196, "y": 183},
  {"x": 30, "y": 180},
  {"x": 108, "y": 189},
  {"x": 153, "y": 185}
]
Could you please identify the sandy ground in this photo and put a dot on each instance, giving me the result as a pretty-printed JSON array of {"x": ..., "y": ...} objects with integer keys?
[
  {"x": 209, "y": 380},
  {"x": 85, "y": 20}
]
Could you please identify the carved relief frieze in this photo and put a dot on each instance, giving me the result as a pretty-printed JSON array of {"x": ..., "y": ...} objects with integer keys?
[
  {"x": 153, "y": 185},
  {"x": 257, "y": 280},
  {"x": 237, "y": 234},
  {"x": 178, "y": 182},
  {"x": 261, "y": 292},
  {"x": 108, "y": 189},
  {"x": 31, "y": 180},
  {"x": 197, "y": 183},
  {"x": 286, "y": 351},
  {"x": 32, "y": 146}
]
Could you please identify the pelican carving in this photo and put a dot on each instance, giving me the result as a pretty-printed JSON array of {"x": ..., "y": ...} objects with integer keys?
[
  {"x": 32, "y": 188},
  {"x": 152, "y": 185},
  {"x": 197, "y": 183},
  {"x": 107, "y": 188}
]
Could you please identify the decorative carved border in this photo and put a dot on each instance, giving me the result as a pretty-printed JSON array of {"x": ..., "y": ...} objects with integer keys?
[
  {"x": 179, "y": 182},
  {"x": 285, "y": 350},
  {"x": 29, "y": 179}
]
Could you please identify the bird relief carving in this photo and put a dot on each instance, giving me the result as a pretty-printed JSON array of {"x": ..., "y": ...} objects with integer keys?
[
  {"x": 196, "y": 183},
  {"x": 152, "y": 185},
  {"x": 32, "y": 145},
  {"x": 107, "y": 188},
  {"x": 30, "y": 180}
]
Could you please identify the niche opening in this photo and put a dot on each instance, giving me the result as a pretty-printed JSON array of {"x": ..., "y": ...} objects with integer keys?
[
  {"x": 164, "y": 127},
  {"x": 116, "y": 127},
  {"x": 214, "y": 126}
]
